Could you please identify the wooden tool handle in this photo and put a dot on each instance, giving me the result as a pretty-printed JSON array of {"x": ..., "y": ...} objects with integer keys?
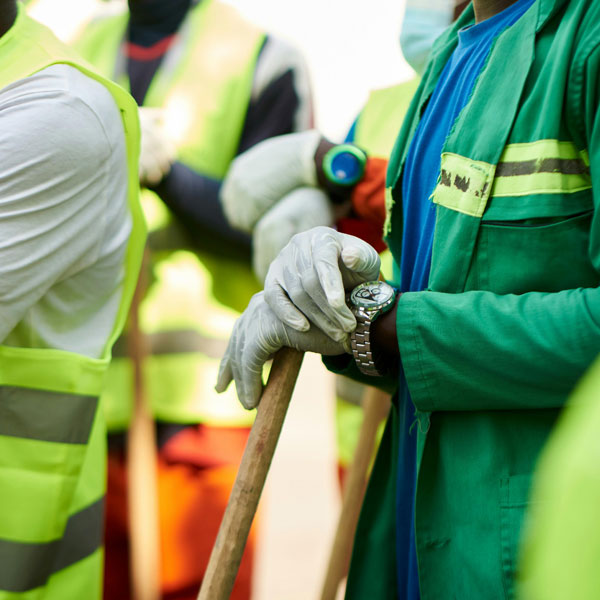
[
  {"x": 229, "y": 546},
  {"x": 142, "y": 501},
  {"x": 376, "y": 406}
]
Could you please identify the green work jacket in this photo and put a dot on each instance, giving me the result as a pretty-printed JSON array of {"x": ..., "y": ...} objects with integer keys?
[{"x": 511, "y": 316}]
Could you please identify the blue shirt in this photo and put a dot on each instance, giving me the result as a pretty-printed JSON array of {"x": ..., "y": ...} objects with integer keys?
[{"x": 421, "y": 172}]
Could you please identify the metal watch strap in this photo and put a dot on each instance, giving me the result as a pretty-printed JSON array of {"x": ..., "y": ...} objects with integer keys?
[{"x": 360, "y": 341}]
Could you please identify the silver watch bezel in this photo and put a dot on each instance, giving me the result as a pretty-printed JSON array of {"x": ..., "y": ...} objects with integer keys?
[
  {"x": 366, "y": 313},
  {"x": 372, "y": 307}
]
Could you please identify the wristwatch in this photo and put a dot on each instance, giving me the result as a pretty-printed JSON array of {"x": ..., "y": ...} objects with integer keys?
[
  {"x": 344, "y": 164},
  {"x": 368, "y": 301}
]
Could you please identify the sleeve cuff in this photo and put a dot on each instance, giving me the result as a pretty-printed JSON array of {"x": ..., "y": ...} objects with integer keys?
[{"x": 410, "y": 342}]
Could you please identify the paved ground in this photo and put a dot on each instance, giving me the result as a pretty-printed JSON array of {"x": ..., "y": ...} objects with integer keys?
[{"x": 301, "y": 500}]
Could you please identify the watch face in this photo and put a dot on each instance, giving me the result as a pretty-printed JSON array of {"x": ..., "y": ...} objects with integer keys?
[
  {"x": 344, "y": 164},
  {"x": 345, "y": 167},
  {"x": 372, "y": 294}
]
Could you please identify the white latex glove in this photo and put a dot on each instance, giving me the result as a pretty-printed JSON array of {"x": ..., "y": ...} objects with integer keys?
[
  {"x": 302, "y": 209},
  {"x": 256, "y": 336},
  {"x": 309, "y": 279},
  {"x": 261, "y": 176},
  {"x": 157, "y": 152}
]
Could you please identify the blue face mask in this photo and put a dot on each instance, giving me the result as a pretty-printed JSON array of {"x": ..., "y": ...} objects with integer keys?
[{"x": 424, "y": 21}]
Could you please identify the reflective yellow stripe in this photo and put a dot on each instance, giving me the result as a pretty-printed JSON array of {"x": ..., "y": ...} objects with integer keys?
[
  {"x": 464, "y": 184},
  {"x": 542, "y": 167},
  {"x": 26, "y": 566},
  {"x": 540, "y": 183},
  {"x": 539, "y": 149},
  {"x": 52, "y": 370}
]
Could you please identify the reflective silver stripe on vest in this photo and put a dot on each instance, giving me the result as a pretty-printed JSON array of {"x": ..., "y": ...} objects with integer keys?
[
  {"x": 46, "y": 416},
  {"x": 182, "y": 341},
  {"x": 26, "y": 566}
]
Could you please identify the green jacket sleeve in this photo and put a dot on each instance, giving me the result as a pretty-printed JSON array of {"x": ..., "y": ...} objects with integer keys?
[{"x": 482, "y": 351}]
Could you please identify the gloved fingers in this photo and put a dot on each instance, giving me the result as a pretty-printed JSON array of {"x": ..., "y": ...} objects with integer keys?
[
  {"x": 232, "y": 368},
  {"x": 150, "y": 172},
  {"x": 251, "y": 385},
  {"x": 258, "y": 178},
  {"x": 225, "y": 376},
  {"x": 283, "y": 307},
  {"x": 308, "y": 266},
  {"x": 269, "y": 238},
  {"x": 311, "y": 301},
  {"x": 300, "y": 210},
  {"x": 324, "y": 283},
  {"x": 361, "y": 260},
  {"x": 157, "y": 151}
]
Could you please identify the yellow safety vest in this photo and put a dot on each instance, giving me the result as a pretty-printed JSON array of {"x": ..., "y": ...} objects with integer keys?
[
  {"x": 52, "y": 437},
  {"x": 376, "y": 131},
  {"x": 204, "y": 86}
]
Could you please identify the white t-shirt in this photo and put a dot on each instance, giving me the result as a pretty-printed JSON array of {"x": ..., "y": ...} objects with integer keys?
[{"x": 64, "y": 222}]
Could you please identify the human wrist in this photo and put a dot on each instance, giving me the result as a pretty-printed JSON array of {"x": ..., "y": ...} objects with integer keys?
[
  {"x": 322, "y": 148},
  {"x": 384, "y": 337},
  {"x": 340, "y": 194}
]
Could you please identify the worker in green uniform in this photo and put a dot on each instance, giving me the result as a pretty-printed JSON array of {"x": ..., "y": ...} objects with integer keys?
[{"x": 493, "y": 316}]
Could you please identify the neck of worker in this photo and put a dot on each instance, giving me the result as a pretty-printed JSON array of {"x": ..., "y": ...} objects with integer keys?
[
  {"x": 151, "y": 20},
  {"x": 484, "y": 9},
  {"x": 8, "y": 14}
]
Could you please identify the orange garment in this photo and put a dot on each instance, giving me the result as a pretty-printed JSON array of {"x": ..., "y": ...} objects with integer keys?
[
  {"x": 196, "y": 470},
  {"x": 368, "y": 205}
]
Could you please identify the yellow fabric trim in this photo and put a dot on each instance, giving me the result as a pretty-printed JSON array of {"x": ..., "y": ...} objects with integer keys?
[
  {"x": 38, "y": 480},
  {"x": 539, "y": 149},
  {"x": 464, "y": 184},
  {"x": 540, "y": 183},
  {"x": 54, "y": 370},
  {"x": 585, "y": 157},
  {"x": 521, "y": 170}
]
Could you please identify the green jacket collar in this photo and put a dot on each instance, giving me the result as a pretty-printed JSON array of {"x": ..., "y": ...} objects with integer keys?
[{"x": 441, "y": 52}]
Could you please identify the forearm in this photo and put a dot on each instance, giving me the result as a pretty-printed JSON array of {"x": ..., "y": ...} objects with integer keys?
[
  {"x": 194, "y": 198},
  {"x": 483, "y": 351}
]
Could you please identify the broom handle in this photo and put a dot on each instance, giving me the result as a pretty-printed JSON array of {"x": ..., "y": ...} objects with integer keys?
[
  {"x": 229, "y": 546},
  {"x": 376, "y": 405},
  {"x": 142, "y": 502}
]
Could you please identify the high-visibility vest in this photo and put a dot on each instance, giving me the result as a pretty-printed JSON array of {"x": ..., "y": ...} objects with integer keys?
[
  {"x": 204, "y": 86},
  {"x": 52, "y": 437},
  {"x": 376, "y": 131}
]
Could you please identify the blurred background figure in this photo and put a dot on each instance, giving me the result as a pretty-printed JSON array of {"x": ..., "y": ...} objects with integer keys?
[
  {"x": 561, "y": 549},
  {"x": 210, "y": 85}
]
